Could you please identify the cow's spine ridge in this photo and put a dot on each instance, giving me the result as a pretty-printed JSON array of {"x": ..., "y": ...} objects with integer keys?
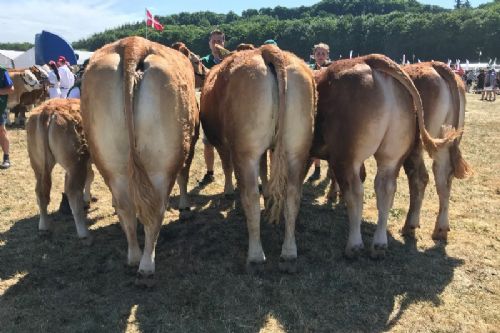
[{"x": 145, "y": 197}]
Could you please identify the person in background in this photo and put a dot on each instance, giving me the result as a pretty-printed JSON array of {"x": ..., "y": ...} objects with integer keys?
[
  {"x": 321, "y": 56},
  {"x": 270, "y": 42},
  {"x": 490, "y": 82},
  {"x": 216, "y": 37},
  {"x": 54, "y": 81},
  {"x": 67, "y": 77},
  {"x": 469, "y": 78},
  {"x": 6, "y": 88},
  {"x": 76, "y": 90},
  {"x": 480, "y": 83}
]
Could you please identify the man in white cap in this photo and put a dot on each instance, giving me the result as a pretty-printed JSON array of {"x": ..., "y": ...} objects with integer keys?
[{"x": 67, "y": 77}]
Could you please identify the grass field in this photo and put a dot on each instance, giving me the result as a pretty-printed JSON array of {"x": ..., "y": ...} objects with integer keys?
[{"x": 57, "y": 284}]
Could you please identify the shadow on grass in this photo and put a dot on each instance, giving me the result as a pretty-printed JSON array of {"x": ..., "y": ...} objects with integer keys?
[{"x": 202, "y": 284}]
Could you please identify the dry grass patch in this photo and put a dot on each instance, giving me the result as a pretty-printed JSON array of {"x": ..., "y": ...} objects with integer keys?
[{"x": 57, "y": 284}]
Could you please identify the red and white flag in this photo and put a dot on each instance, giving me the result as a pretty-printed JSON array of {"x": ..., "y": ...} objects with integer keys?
[{"x": 152, "y": 22}]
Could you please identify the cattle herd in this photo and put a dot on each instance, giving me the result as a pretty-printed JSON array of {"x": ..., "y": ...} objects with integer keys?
[{"x": 138, "y": 122}]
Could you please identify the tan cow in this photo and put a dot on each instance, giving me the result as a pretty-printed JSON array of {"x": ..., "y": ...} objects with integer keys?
[
  {"x": 29, "y": 91},
  {"x": 141, "y": 119},
  {"x": 443, "y": 99},
  {"x": 55, "y": 135},
  {"x": 254, "y": 101},
  {"x": 366, "y": 107}
]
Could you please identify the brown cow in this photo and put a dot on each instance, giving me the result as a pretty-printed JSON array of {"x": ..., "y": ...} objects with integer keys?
[
  {"x": 141, "y": 118},
  {"x": 443, "y": 99},
  {"x": 254, "y": 101},
  {"x": 55, "y": 135},
  {"x": 200, "y": 71},
  {"x": 366, "y": 107}
]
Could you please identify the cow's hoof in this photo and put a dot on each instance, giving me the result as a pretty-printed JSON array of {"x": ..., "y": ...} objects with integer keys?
[
  {"x": 145, "y": 280},
  {"x": 87, "y": 241},
  {"x": 440, "y": 234},
  {"x": 185, "y": 213},
  {"x": 255, "y": 268},
  {"x": 354, "y": 252},
  {"x": 288, "y": 265},
  {"x": 409, "y": 230},
  {"x": 378, "y": 251}
]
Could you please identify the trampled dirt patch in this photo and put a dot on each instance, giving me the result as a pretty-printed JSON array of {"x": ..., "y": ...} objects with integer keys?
[{"x": 57, "y": 284}]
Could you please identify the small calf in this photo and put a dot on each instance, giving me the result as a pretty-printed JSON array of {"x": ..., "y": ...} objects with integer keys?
[{"x": 55, "y": 135}]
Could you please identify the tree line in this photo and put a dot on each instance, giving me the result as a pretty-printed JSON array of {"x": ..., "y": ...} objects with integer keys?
[
  {"x": 391, "y": 27},
  {"x": 16, "y": 46}
]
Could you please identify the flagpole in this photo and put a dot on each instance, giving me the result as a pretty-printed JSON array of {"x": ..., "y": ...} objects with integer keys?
[{"x": 146, "y": 23}]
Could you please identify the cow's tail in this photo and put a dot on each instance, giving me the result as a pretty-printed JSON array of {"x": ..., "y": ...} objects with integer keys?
[
  {"x": 386, "y": 65},
  {"x": 276, "y": 189},
  {"x": 461, "y": 169},
  {"x": 144, "y": 195}
]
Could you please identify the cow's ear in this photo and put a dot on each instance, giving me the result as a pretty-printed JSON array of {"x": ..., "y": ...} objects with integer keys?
[{"x": 184, "y": 50}]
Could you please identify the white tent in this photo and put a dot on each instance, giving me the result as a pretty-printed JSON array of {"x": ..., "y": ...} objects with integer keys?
[
  {"x": 6, "y": 61},
  {"x": 7, "y": 57},
  {"x": 26, "y": 59},
  {"x": 83, "y": 55}
]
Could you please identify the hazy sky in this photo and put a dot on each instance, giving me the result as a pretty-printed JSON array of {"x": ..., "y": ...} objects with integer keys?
[{"x": 75, "y": 19}]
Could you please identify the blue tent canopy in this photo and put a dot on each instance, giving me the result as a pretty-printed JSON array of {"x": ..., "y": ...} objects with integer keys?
[{"x": 49, "y": 46}]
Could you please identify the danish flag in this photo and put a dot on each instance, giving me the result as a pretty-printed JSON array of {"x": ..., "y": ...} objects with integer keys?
[{"x": 152, "y": 22}]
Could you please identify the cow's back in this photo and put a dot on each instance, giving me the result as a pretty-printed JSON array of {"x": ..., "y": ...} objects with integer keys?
[
  {"x": 363, "y": 108},
  {"x": 239, "y": 102},
  {"x": 163, "y": 110},
  {"x": 438, "y": 97}
]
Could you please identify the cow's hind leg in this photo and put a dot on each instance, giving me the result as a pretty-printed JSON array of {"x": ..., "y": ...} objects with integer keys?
[
  {"x": 385, "y": 187},
  {"x": 126, "y": 213},
  {"x": 227, "y": 166},
  {"x": 246, "y": 173},
  {"x": 42, "y": 189},
  {"x": 87, "y": 196},
  {"x": 352, "y": 189},
  {"x": 443, "y": 176},
  {"x": 296, "y": 173},
  {"x": 417, "y": 181},
  {"x": 334, "y": 191},
  {"x": 147, "y": 264},
  {"x": 73, "y": 187}
]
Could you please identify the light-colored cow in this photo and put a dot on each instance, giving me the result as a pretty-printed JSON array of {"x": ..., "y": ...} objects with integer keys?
[
  {"x": 141, "y": 118},
  {"x": 55, "y": 135},
  {"x": 24, "y": 81},
  {"x": 366, "y": 107},
  {"x": 253, "y": 101},
  {"x": 29, "y": 91},
  {"x": 443, "y": 99}
]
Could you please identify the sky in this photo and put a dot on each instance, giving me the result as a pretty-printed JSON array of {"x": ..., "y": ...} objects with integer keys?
[{"x": 76, "y": 19}]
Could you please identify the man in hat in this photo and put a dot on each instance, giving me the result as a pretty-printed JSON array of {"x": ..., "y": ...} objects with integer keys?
[{"x": 67, "y": 77}]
